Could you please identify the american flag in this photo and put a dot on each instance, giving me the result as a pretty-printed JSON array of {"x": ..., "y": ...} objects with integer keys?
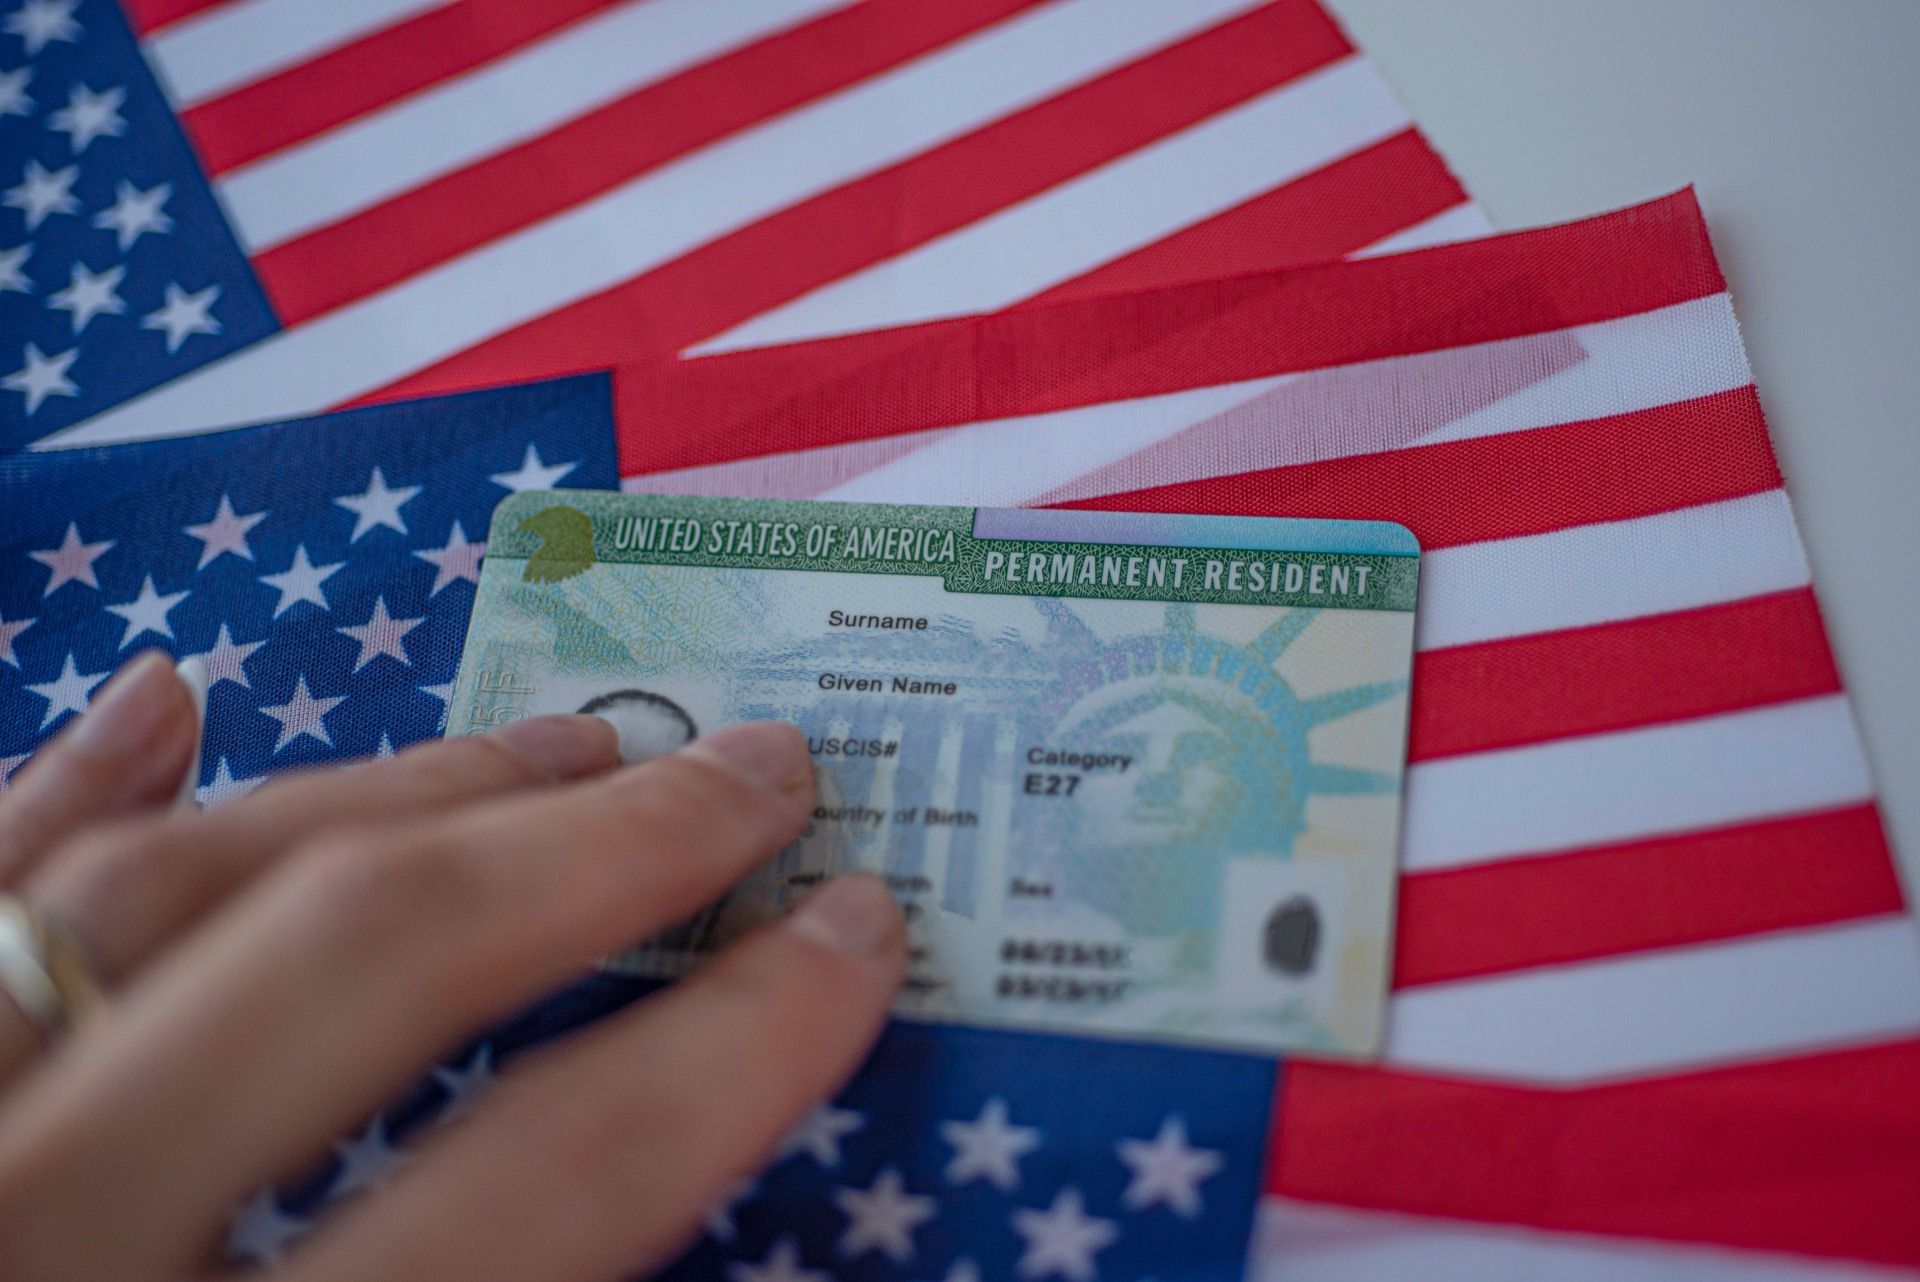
[
  {"x": 1657, "y": 990},
  {"x": 1657, "y": 1009},
  {"x": 426, "y": 196}
]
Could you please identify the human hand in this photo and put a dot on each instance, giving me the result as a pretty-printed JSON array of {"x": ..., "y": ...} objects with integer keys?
[{"x": 280, "y": 967}]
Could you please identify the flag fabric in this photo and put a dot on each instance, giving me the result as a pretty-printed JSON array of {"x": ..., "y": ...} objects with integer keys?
[
  {"x": 1657, "y": 991},
  {"x": 432, "y": 195},
  {"x": 1656, "y": 1006},
  {"x": 955, "y": 1155},
  {"x": 324, "y": 569}
]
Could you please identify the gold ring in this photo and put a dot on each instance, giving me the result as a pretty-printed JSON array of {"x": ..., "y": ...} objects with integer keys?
[{"x": 42, "y": 969}]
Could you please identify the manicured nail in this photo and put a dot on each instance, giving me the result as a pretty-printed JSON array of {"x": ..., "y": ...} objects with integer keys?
[
  {"x": 768, "y": 754},
  {"x": 193, "y": 675},
  {"x": 566, "y": 746},
  {"x": 854, "y": 914},
  {"x": 130, "y": 712}
]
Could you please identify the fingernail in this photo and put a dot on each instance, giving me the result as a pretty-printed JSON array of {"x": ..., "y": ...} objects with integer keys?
[
  {"x": 193, "y": 675},
  {"x": 853, "y": 914},
  {"x": 771, "y": 755},
  {"x": 130, "y": 711},
  {"x": 566, "y": 746}
]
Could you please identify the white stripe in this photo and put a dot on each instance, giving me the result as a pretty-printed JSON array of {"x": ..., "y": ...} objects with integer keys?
[
  {"x": 1052, "y": 448},
  {"x": 1462, "y": 222},
  {"x": 1629, "y": 365},
  {"x": 1668, "y": 355},
  {"x": 1133, "y": 201},
  {"x": 1790, "y": 992},
  {"x": 1310, "y": 1242},
  {"x": 420, "y": 137},
  {"x": 1675, "y": 776},
  {"x": 235, "y": 44},
  {"x": 1588, "y": 574},
  {"x": 659, "y": 216},
  {"x": 1677, "y": 1008}
]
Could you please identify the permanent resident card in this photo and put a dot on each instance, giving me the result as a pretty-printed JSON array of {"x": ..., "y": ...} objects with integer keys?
[{"x": 1134, "y": 775}]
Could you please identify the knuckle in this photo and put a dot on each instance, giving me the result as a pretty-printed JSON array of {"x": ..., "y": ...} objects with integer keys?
[
  {"x": 461, "y": 762},
  {"x": 698, "y": 802},
  {"x": 100, "y": 854},
  {"x": 374, "y": 894},
  {"x": 597, "y": 1154}
]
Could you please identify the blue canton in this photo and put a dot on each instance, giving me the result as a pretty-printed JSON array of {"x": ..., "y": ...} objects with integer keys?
[
  {"x": 955, "y": 1155},
  {"x": 324, "y": 568},
  {"x": 117, "y": 270}
]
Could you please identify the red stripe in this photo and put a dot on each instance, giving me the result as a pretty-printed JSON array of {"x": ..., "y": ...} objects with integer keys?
[
  {"x": 886, "y": 382},
  {"x": 863, "y": 222},
  {"x": 1819, "y": 1154},
  {"x": 1615, "y": 676},
  {"x": 647, "y": 128},
  {"x": 1568, "y": 907},
  {"x": 369, "y": 73},
  {"x": 148, "y": 16},
  {"x": 1516, "y": 483},
  {"x": 1329, "y": 213}
]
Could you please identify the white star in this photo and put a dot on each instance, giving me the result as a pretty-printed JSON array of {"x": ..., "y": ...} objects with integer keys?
[
  {"x": 224, "y": 531},
  {"x": 7, "y": 766},
  {"x": 820, "y": 1134},
  {"x": 963, "y": 1270},
  {"x": 882, "y": 1218},
  {"x": 262, "y": 1231},
  {"x": 42, "y": 376},
  {"x": 147, "y": 612},
  {"x": 41, "y": 194},
  {"x": 720, "y": 1225},
  {"x": 1062, "y": 1239},
  {"x": 464, "y": 1085},
  {"x": 184, "y": 315},
  {"x": 13, "y": 92},
  {"x": 1167, "y": 1169},
  {"x": 39, "y": 23},
  {"x": 72, "y": 561},
  {"x": 989, "y": 1148},
  {"x": 224, "y": 787},
  {"x": 301, "y": 581},
  {"x": 67, "y": 692},
  {"x": 89, "y": 115},
  {"x": 226, "y": 660},
  {"x": 381, "y": 634},
  {"x": 384, "y": 749},
  {"x": 8, "y": 631},
  {"x": 444, "y": 693},
  {"x": 134, "y": 213},
  {"x": 87, "y": 295},
  {"x": 365, "y": 1161},
  {"x": 459, "y": 559},
  {"x": 377, "y": 505},
  {"x": 303, "y": 714},
  {"x": 781, "y": 1265},
  {"x": 533, "y": 474},
  {"x": 12, "y": 278}
]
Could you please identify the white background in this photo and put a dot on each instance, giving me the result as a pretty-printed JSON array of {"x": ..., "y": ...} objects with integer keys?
[{"x": 1799, "y": 123}]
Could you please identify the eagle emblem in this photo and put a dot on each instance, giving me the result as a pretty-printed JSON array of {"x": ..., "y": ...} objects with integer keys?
[{"x": 566, "y": 544}]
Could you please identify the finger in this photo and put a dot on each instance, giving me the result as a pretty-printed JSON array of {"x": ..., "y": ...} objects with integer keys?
[
  {"x": 126, "y": 753},
  {"x": 322, "y": 992},
  {"x": 126, "y": 893},
  {"x": 598, "y": 1159}
]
